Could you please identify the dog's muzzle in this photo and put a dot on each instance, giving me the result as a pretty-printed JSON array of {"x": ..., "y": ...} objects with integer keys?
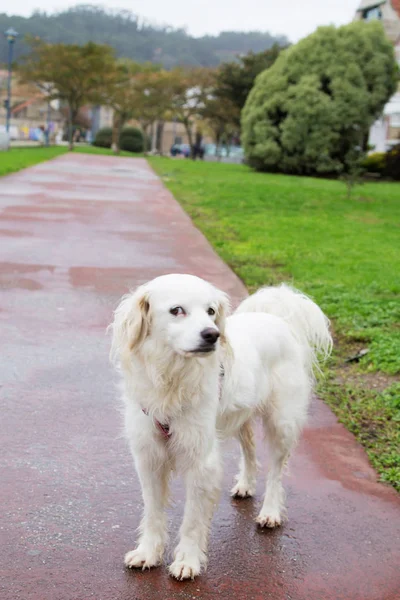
[{"x": 210, "y": 337}]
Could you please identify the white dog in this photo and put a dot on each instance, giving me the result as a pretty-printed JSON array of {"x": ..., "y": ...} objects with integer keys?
[{"x": 191, "y": 377}]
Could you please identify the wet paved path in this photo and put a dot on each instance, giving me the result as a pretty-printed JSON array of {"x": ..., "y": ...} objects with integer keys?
[{"x": 76, "y": 233}]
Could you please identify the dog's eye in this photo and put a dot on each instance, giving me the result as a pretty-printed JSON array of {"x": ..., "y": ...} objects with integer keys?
[
  {"x": 177, "y": 310},
  {"x": 211, "y": 311}
]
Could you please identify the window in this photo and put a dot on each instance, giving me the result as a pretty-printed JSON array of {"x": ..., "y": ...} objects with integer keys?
[{"x": 372, "y": 13}]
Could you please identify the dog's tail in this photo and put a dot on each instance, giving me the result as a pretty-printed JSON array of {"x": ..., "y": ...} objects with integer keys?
[{"x": 306, "y": 320}]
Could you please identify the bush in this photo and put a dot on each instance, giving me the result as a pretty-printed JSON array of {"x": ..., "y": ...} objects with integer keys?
[
  {"x": 375, "y": 163},
  {"x": 310, "y": 113},
  {"x": 103, "y": 138},
  {"x": 131, "y": 139},
  {"x": 393, "y": 163}
]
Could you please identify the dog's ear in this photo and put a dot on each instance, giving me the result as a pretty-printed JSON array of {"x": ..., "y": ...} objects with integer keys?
[
  {"x": 223, "y": 310},
  {"x": 131, "y": 324}
]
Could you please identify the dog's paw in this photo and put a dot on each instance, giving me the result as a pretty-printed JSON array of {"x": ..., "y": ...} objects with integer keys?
[
  {"x": 185, "y": 567},
  {"x": 141, "y": 559},
  {"x": 243, "y": 490},
  {"x": 269, "y": 519}
]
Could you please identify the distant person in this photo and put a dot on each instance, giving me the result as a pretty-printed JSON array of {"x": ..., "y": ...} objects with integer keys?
[
  {"x": 41, "y": 135},
  {"x": 198, "y": 151}
]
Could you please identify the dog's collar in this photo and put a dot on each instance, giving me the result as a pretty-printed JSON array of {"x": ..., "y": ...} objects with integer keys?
[{"x": 163, "y": 428}]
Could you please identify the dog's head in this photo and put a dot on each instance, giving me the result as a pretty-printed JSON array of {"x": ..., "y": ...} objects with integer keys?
[{"x": 181, "y": 312}]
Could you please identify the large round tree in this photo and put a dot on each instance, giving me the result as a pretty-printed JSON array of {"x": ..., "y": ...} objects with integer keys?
[{"x": 310, "y": 113}]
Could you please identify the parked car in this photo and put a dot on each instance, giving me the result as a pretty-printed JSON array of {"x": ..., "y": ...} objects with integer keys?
[{"x": 180, "y": 150}]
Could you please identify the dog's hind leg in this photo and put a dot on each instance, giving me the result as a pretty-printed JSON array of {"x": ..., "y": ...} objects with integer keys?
[
  {"x": 282, "y": 427},
  {"x": 273, "y": 508},
  {"x": 246, "y": 479},
  {"x": 154, "y": 471}
]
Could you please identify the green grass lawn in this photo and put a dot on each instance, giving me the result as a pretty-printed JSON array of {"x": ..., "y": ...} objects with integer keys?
[
  {"x": 20, "y": 158},
  {"x": 343, "y": 252}
]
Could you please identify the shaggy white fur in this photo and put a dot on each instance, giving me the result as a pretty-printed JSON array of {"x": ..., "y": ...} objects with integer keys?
[{"x": 170, "y": 338}]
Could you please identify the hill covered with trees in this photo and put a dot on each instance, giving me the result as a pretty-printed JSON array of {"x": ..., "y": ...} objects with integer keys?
[{"x": 132, "y": 37}]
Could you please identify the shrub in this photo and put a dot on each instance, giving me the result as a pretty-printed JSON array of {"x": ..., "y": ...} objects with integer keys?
[
  {"x": 310, "y": 112},
  {"x": 131, "y": 139},
  {"x": 103, "y": 138},
  {"x": 375, "y": 163},
  {"x": 393, "y": 163}
]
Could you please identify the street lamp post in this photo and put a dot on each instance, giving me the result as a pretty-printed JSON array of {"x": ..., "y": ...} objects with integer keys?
[
  {"x": 11, "y": 36},
  {"x": 48, "y": 123}
]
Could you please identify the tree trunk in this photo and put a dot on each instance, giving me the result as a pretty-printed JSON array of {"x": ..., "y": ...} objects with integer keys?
[
  {"x": 160, "y": 133},
  {"x": 188, "y": 128},
  {"x": 116, "y": 132},
  {"x": 153, "y": 134},
  {"x": 217, "y": 142},
  {"x": 71, "y": 114},
  {"x": 143, "y": 127}
]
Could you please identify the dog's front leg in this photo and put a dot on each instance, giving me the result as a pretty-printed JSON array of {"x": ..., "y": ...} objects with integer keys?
[
  {"x": 202, "y": 492},
  {"x": 153, "y": 470}
]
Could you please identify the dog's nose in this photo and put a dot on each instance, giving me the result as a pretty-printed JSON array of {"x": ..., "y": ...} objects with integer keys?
[{"x": 210, "y": 335}]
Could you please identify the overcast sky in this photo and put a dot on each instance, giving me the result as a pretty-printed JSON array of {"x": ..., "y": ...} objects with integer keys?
[{"x": 295, "y": 18}]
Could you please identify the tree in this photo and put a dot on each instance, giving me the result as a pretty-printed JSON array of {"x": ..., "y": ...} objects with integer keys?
[
  {"x": 189, "y": 93},
  {"x": 310, "y": 113},
  {"x": 235, "y": 79},
  {"x": 76, "y": 75},
  {"x": 153, "y": 99},
  {"x": 220, "y": 116},
  {"x": 122, "y": 93}
]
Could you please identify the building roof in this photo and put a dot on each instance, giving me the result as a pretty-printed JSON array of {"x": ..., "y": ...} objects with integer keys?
[
  {"x": 365, "y": 4},
  {"x": 16, "y": 109}
]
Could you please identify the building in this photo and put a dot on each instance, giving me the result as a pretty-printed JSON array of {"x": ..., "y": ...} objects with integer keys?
[
  {"x": 30, "y": 110},
  {"x": 385, "y": 132},
  {"x": 387, "y": 11}
]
